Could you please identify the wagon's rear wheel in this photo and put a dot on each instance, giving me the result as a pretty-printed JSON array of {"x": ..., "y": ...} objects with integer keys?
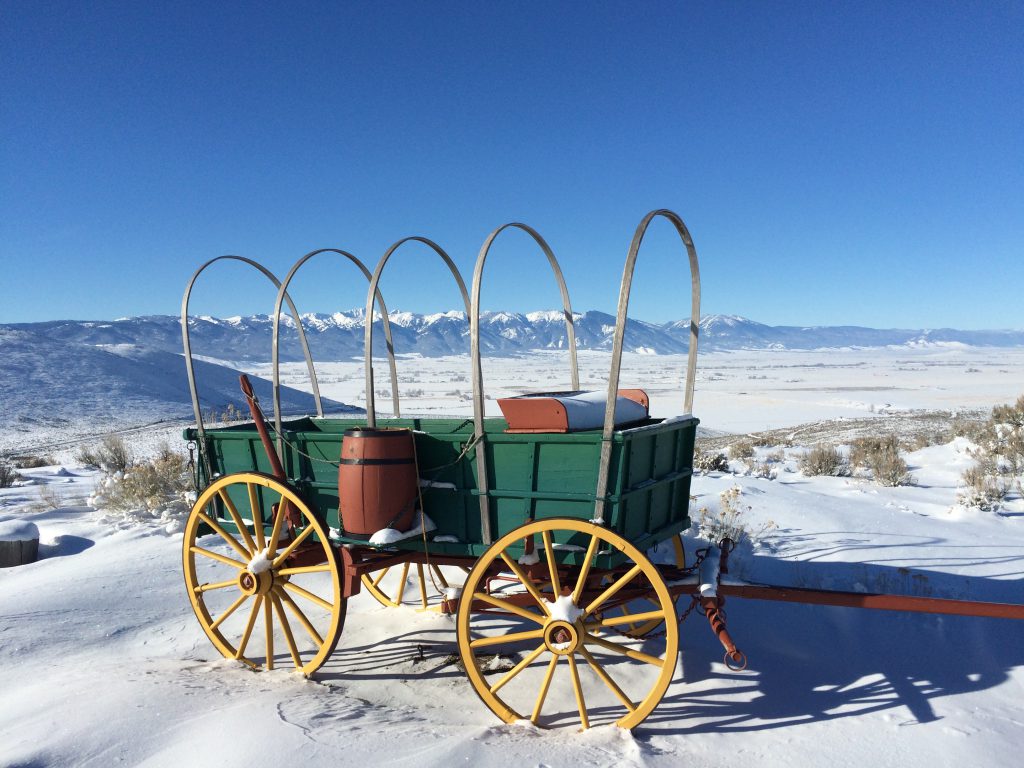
[
  {"x": 414, "y": 585},
  {"x": 262, "y": 576},
  {"x": 549, "y": 646}
]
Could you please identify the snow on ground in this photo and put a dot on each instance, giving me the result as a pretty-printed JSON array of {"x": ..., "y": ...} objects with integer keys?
[
  {"x": 735, "y": 391},
  {"x": 103, "y": 662}
]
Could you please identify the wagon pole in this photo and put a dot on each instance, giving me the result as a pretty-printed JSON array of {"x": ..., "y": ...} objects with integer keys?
[
  {"x": 878, "y": 601},
  {"x": 709, "y": 592},
  {"x": 276, "y": 468}
]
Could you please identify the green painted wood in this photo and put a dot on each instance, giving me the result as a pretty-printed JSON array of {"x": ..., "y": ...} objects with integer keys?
[{"x": 531, "y": 476}]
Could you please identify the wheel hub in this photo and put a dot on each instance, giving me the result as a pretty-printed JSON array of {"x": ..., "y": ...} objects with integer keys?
[
  {"x": 562, "y": 638},
  {"x": 255, "y": 583}
]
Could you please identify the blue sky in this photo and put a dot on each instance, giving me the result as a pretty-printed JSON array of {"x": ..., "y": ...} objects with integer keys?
[{"x": 837, "y": 163}]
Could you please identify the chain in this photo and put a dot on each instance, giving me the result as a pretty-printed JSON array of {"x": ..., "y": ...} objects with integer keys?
[
  {"x": 701, "y": 555},
  {"x": 191, "y": 466}
]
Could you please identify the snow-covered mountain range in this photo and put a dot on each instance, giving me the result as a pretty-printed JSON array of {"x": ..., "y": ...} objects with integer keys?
[
  {"x": 64, "y": 389},
  {"x": 339, "y": 336},
  {"x": 87, "y": 376}
]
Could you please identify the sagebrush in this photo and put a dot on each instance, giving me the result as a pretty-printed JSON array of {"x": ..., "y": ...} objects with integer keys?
[
  {"x": 999, "y": 457},
  {"x": 710, "y": 461},
  {"x": 8, "y": 476},
  {"x": 33, "y": 462},
  {"x": 743, "y": 449},
  {"x": 824, "y": 459},
  {"x": 158, "y": 488},
  {"x": 881, "y": 455},
  {"x": 730, "y": 521},
  {"x": 112, "y": 455}
]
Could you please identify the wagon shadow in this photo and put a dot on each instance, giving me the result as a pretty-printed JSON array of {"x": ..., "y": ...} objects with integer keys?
[
  {"x": 814, "y": 663},
  {"x": 420, "y": 653}
]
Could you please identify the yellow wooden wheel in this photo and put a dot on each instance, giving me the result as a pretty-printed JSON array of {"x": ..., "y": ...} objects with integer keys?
[
  {"x": 247, "y": 578},
  {"x": 514, "y": 630},
  {"x": 414, "y": 585}
]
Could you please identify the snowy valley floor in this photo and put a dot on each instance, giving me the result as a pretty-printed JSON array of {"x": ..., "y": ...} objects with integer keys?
[{"x": 104, "y": 664}]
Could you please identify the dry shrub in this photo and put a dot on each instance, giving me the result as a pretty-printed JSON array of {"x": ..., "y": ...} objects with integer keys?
[
  {"x": 730, "y": 522},
  {"x": 33, "y": 462},
  {"x": 8, "y": 476},
  {"x": 111, "y": 456},
  {"x": 891, "y": 470},
  {"x": 153, "y": 488},
  {"x": 881, "y": 455},
  {"x": 824, "y": 459},
  {"x": 1000, "y": 458},
  {"x": 742, "y": 449},
  {"x": 49, "y": 498},
  {"x": 710, "y": 461},
  {"x": 764, "y": 469},
  {"x": 985, "y": 489},
  {"x": 965, "y": 426}
]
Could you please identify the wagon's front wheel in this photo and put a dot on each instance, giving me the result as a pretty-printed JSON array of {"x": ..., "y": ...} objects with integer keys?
[
  {"x": 548, "y": 642},
  {"x": 261, "y": 574}
]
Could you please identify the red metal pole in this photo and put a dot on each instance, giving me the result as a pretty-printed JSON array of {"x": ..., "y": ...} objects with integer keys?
[{"x": 877, "y": 601}]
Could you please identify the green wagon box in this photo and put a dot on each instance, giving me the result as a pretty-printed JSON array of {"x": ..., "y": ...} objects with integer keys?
[{"x": 530, "y": 476}]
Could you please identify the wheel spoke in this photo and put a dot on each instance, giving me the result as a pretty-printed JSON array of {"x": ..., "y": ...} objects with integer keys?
[
  {"x": 599, "y": 670},
  {"x": 303, "y": 620},
  {"x": 544, "y": 688},
  {"x": 231, "y": 609},
  {"x": 248, "y": 627},
  {"x": 287, "y": 629},
  {"x": 578, "y": 690},
  {"x": 512, "y": 637},
  {"x": 199, "y": 589},
  {"x": 423, "y": 585},
  {"x": 618, "y": 584},
  {"x": 439, "y": 576},
  {"x": 518, "y": 668},
  {"x": 526, "y": 583},
  {"x": 275, "y": 533},
  {"x": 291, "y": 547},
  {"x": 306, "y": 594},
  {"x": 237, "y": 520},
  {"x": 627, "y": 618},
  {"x": 257, "y": 516},
  {"x": 401, "y": 582},
  {"x": 624, "y": 650},
  {"x": 383, "y": 573},
  {"x": 556, "y": 585},
  {"x": 325, "y": 568},
  {"x": 268, "y": 627},
  {"x": 231, "y": 540},
  {"x": 219, "y": 558},
  {"x": 497, "y": 602},
  {"x": 581, "y": 582}
]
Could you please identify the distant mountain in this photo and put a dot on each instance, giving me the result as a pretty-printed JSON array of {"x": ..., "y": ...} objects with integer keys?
[
  {"x": 50, "y": 382},
  {"x": 339, "y": 336}
]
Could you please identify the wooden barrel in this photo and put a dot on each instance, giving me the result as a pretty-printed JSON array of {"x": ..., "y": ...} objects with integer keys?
[{"x": 377, "y": 483}]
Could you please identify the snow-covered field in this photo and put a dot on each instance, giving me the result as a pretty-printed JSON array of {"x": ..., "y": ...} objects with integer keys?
[{"x": 103, "y": 662}]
